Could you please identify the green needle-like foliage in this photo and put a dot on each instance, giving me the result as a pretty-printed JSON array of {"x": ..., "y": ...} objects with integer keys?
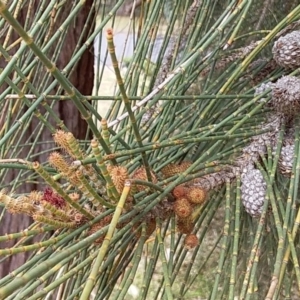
[{"x": 181, "y": 178}]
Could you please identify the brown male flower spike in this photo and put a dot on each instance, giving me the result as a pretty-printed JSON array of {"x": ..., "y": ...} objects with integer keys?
[
  {"x": 119, "y": 175},
  {"x": 140, "y": 174},
  {"x": 35, "y": 196},
  {"x": 17, "y": 206},
  {"x": 57, "y": 161},
  {"x": 60, "y": 137},
  {"x": 173, "y": 169}
]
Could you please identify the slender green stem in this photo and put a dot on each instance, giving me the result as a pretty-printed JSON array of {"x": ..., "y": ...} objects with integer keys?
[{"x": 104, "y": 248}]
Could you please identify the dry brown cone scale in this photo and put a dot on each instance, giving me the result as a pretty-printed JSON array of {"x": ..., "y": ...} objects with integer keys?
[
  {"x": 98, "y": 226},
  {"x": 191, "y": 241},
  {"x": 150, "y": 227},
  {"x": 141, "y": 174},
  {"x": 185, "y": 225}
]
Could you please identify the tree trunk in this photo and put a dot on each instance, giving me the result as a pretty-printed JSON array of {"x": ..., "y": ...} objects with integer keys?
[{"x": 82, "y": 79}]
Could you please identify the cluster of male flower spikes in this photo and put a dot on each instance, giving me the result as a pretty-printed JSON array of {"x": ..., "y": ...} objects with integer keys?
[
  {"x": 47, "y": 207},
  {"x": 92, "y": 192},
  {"x": 119, "y": 175}
]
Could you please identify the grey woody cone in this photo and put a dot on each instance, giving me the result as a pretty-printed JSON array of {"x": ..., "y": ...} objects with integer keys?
[
  {"x": 258, "y": 146},
  {"x": 286, "y": 158},
  {"x": 253, "y": 186},
  {"x": 251, "y": 154},
  {"x": 286, "y": 96},
  {"x": 286, "y": 50},
  {"x": 263, "y": 88},
  {"x": 253, "y": 190}
]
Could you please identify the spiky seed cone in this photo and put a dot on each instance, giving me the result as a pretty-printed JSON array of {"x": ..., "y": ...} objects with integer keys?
[
  {"x": 140, "y": 174},
  {"x": 251, "y": 154},
  {"x": 185, "y": 225},
  {"x": 191, "y": 241},
  {"x": 286, "y": 96},
  {"x": 196, "y": 195},
  {"x": 286, "y": 159},
  {"x": 173, "y": 169},
  {"x": 182, "y": 208},
  {"x": 253, "y": 190},
  {"x": 286, "y": 50},
  {"x": 179, "y": 191},
  {"x": 119, "y": 175}
]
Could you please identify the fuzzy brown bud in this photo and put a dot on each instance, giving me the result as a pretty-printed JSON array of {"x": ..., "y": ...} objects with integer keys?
[
  {"x": 196, "y": 195},
  {"x": 74, "y": 196},
  {"x": 179, "y": 191},
  {"x": 182, "y": 208}
]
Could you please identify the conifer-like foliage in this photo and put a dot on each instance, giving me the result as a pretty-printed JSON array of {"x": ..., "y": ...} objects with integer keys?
[{"x": 187, "y": 187}]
